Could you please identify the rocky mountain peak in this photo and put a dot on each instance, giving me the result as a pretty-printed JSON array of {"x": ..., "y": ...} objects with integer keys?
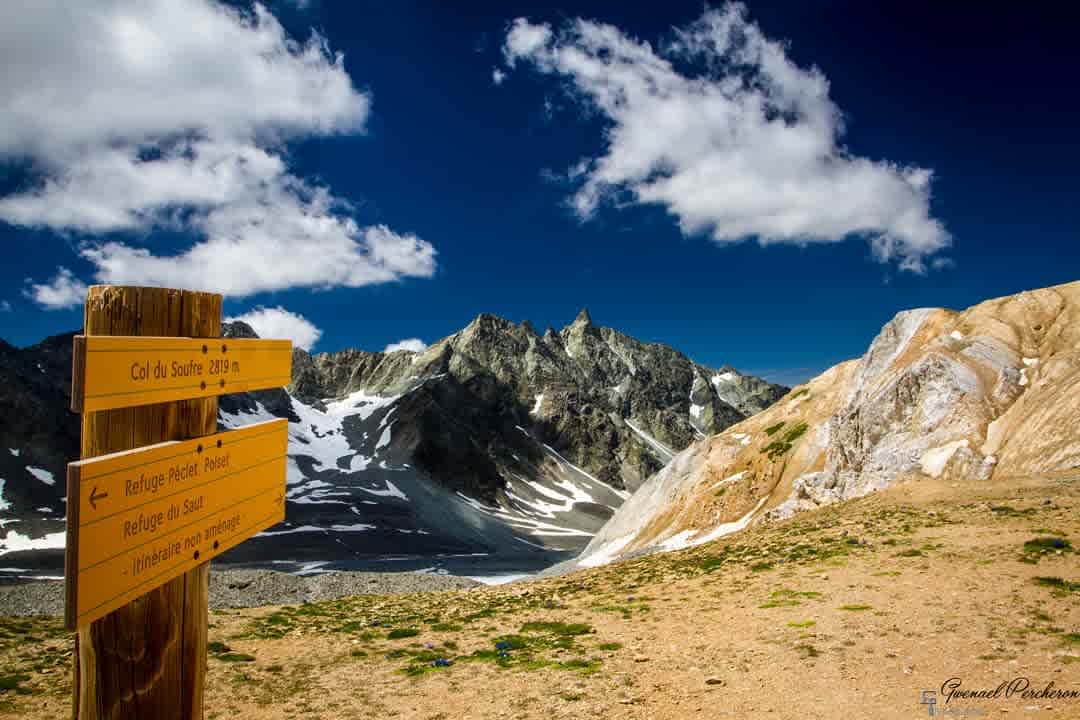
[
  {"x": 237, "y": 329},
  {"x": 487, "y": 325},
  {"x": 583, "y": 318},
  {"x": 581, "y": 335}
]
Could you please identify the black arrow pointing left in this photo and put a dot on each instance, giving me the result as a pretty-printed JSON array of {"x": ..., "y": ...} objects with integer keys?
[{"x": 94, "y": 497}]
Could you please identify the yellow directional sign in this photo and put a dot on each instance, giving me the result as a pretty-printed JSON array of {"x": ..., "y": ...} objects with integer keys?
[
  {"x": 142, "y": 517},
  {"x": 115, "y": 372}
]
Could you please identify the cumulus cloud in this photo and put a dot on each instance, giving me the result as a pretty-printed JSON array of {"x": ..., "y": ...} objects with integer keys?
[
  {"x": 497, "y": 76},
  {"x": 136, "y": 115},
  {"x": 734, "y": 139},
  {"x": 277, "y": 322},
  {"x": 411, "y": 344},
  {"x": 5, "y": 306},
  {"x": 62, "y": 292}
]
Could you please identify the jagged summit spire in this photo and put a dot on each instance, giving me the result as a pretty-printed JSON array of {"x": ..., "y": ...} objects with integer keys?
[
  {"x": 487, "y": 321},
  {"x": 583, "y": 317}
]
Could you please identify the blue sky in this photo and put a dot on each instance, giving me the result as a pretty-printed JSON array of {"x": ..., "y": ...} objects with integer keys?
[{"x": 399, "y": 191}]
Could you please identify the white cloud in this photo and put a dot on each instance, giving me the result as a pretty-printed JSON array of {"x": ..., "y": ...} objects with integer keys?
[
  {"x": 497, "y": 76},
  {"x": 749, "y": 146},
  {"x": 277, "y": 322},
  {"x": 5, "y": 306},
  {"x": 63, "y": 291},
  {"x": 174, "y": 113},
  {"x": 411, "y": 344}
]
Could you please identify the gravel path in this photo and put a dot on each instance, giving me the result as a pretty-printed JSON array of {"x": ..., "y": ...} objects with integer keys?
[{"x": 251, "y": 588}]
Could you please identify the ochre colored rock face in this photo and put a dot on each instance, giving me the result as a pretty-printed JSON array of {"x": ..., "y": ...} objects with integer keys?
[{"x": 959, "y": 396}]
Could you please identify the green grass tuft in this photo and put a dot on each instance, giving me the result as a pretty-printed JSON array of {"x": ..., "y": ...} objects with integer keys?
[
  {"x": 782, "y": 445},
  {"x": 1059, "y": 584},
  {"x": 13, "y": 683},
  {"x": 789, "y": 598},
  {"x": 398, "y": 633},
  {"x": 773, "y": 429},
  {"x": 446, "y": 627},
  {"x": 235, "y": 657},
  {"x": 557, "y": 628}
]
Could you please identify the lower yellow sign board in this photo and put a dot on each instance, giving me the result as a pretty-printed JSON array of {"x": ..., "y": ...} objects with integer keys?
[{"x": 139, "y": 518}]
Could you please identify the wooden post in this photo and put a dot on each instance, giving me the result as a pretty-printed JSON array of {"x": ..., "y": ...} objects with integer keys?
[{"x": 147, "y": 660}]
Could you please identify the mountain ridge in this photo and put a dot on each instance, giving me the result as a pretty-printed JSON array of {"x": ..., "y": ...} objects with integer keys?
[{"x": 495, "y": 437}]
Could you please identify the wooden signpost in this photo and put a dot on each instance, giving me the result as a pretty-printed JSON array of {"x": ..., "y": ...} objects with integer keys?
[{"x": 158, "y": 493}]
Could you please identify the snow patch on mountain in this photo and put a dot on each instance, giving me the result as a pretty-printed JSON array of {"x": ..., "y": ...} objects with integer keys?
[
  {"x": 384, "y": 438},
  {"x": 731, "y": 527},
  {"x": 389, "y": 490},
  {"x": 729, "y": 480},
  {"x": 520, "y": 521},
  {"x": 567, "y": 464},
  {"x": 358, "y": 527},
  {"x": 605, "y": 553},
  {"x": 14, "y": 541},
  {"x": 41, "y": 474},
  {"x": 660, "y": 448}
]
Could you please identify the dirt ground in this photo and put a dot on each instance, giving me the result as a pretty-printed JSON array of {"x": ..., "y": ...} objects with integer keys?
[{"x": 851, "y": 611}]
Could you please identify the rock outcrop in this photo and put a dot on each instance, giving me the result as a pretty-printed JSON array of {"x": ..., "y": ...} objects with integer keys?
[{"x": 963, "y": 396}]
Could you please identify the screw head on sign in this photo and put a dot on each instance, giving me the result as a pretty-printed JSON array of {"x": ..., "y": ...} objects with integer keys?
[
  {"x": 215, "y": 544},
  {"x": 198, "y": 448},
  {"x": 219, "y": 443},
  {"x": 221, "y": 383},
  {"x": 203, "y": 385},
  {"x": 224, "y": 348},
  {"x": 205, "y": 349},
  {"x": 196, "y": 554}
]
